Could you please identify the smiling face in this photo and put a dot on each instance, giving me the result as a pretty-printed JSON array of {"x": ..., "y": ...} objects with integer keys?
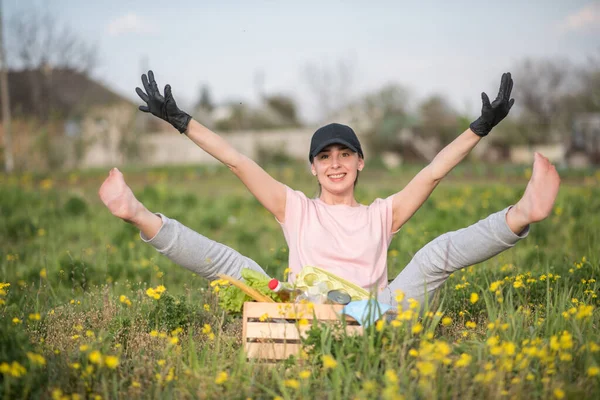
[{"x": 336, "y": 168}]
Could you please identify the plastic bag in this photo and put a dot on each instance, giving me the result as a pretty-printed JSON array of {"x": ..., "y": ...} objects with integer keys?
[{"x": 326, "y": 281}]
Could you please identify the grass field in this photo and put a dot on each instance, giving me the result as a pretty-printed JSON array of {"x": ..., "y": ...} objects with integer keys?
[{"x": 78, "y": 322}]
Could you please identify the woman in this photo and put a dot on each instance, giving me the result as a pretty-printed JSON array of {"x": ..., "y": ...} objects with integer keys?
[{"x": 333, "y": 231}]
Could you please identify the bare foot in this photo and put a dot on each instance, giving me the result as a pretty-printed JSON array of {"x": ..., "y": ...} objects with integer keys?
[
  {"x": 538, "y": 200},
  {"x": 119, "y": 198}
]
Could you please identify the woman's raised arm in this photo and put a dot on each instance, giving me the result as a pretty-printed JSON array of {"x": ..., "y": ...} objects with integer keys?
[
  {"x": 267, "y": 190},
  {"x": 407, "y": 201}
]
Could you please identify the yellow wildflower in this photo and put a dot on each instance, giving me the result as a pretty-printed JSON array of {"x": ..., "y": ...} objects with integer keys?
[
  {"x": 263, "y": 317},
  {"x": 566, "y": 340},
  {"x": 474, "y": 298},
  {"x": 391, "y": 377},
  {"x": 111, "y": 362},
  {"x": 530, "y": 377},
  {"x": 417, "y": 328},
  {"x": 291, "y": 383},
  {"x": 95, "y": 357},
  {"x": 518, "y": 284},
  {"x": 413, "y": 304},
  {"x": 328, "y": 361},
  {"x": 36, "y": 359},
  {"x": 509, "y": 348},
  {"x": 221, "y": 378},
  {"x": 399, "y": 296},
  {"x": 153, "y": 293},
  {"x": 584, "y": 311},
  {"x": 464, "y": 360},
  {"x": 426, "y": 368},
  {"x": 17, "y": 370},
  {"x": 125, "y": 300},
  {"x": 304, "y": 374},
  {"x": 176, "y": 331},
  {"x": 46, "y": 184}
]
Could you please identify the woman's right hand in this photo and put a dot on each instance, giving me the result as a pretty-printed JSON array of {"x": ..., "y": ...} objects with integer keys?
[{"x": 163, "y": 107}]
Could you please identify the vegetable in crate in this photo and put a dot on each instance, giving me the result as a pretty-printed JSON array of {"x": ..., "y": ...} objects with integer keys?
[{"x": 232, "y": 299}]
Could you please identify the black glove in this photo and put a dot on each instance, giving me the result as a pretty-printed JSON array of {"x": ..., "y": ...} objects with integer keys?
[
  {"x": 492, "y": 114},
  {"x": 163, "y": 107}
]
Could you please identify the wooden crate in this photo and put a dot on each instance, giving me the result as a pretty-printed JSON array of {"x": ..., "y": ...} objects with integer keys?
[{"x": 278, "y": 335}]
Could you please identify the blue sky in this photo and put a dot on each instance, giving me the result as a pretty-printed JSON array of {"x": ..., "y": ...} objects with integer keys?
[{"x": 455, "y": 48}]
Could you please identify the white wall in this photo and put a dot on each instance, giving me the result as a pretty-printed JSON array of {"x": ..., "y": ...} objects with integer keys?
[
  {"x": 173, "y": 148},
  {"x": 524, "y": 154}
]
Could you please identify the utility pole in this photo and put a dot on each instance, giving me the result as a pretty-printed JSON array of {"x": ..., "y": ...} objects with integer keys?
[{"x": 8, "y": 151}]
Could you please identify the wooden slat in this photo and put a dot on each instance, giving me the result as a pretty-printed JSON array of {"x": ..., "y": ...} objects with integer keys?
[
  {"x": 244, "y": 321},
  {"x": 272, "y": 351},
  {"x": 264, "y": 330},
  {"x": 323, "y": 312},
  {"x": 285, "y": 331}
]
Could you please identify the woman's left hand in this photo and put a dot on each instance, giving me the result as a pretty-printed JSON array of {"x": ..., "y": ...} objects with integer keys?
[{"x": 492, "y": 114}]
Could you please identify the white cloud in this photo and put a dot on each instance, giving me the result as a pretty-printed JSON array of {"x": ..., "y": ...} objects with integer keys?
[
  {"x": 586, "y": 17},
  {"x": 130, "y": 23}
]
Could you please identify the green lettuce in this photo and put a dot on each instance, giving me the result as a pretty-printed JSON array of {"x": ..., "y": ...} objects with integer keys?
[{"x": 232, "y": 299}]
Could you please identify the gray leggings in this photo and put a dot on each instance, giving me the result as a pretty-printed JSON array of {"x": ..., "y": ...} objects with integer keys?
[{"x": 424, "y": 274}]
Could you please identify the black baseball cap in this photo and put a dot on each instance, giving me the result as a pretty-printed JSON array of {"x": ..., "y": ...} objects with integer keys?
[{"x": 334, "y": 134}]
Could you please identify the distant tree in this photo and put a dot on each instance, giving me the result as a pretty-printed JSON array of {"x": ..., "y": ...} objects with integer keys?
[
  {"x": 285, "y": 107},
  {"x": 583, "y": 107},
  {"x": 205, "y": 100},
  {"x": 438, "y": 119},
  {"x": 238, "y": 118},
  {"x": 541, "y": 87},
  {"x": 386, "y": 111},
  {"x": 587, "y": 98}
]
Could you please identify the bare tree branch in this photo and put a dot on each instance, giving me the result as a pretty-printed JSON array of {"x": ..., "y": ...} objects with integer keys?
[
  {"x": 39, "y": 40},
  {"x": 39, "y": 43},
  {"x": 331, "y": 85}
]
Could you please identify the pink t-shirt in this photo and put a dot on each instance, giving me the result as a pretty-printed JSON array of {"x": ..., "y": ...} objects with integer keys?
[{"x": 350, "y": 242}]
